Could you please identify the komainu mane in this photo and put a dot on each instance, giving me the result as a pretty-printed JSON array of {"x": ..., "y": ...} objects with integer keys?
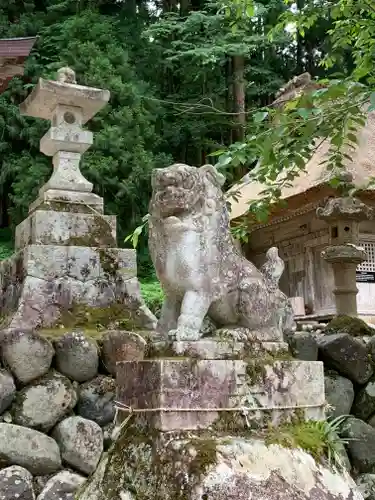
[{"x": 199, "y": 268}]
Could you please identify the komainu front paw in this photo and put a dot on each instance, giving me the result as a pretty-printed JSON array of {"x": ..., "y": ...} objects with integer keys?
[{"x": 184, "y": 334}]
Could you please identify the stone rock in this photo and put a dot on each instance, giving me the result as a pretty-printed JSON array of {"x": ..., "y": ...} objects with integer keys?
[
  {"x": 339, "y": 393},
  {"x": 364, "y": 403},
  {"x": 107, "y": 435},
  {"x": 213, "y": 468},
  {"x": 16, "y": 483},
  {"x": 62, "y": 486},
  {"x": 27, "y": 354},
  {"x": 187, "y": 202},
  {"x": 353, "y": 326},
  {"x": 6, "y": 417},
  {"x": 7, "y": 390},
  {"x": 303, "y": 346},
  {"x": 81, "y": 443},
  {"x": 77, "y": 356},
  {"x": 208, "y": 327},
  {"x": 28, "y": 448},
  {"x": 96, "y": 400},
  {"x": 366, "y": 485},
  {"x": 120, "y": 345},
  {"x": 371, "y": 348},
  {"x": 347, "y": 355},
  {"x": 361, "y": 444},
  {"x": 45, "y": 402},
  {"x": 371, "y": 421},
  {"x": 40, "y": 482}
]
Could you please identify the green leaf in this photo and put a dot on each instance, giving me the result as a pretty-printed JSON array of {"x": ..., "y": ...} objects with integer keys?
[
  {"x": 250, "y": 9},
  {"x": 304, "y": 113},
  {"x": 260, "y": 116}
]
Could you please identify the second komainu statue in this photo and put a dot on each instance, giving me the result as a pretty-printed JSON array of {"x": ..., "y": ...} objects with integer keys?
[{"x": 200, "y": 270}]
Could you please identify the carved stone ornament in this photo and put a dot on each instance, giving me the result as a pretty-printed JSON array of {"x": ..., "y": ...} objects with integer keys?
[
  {"x": 198, "y": 265},
  {"x": 344, "y": 208}
]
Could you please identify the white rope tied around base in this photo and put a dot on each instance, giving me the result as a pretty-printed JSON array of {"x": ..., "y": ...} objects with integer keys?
[{"x": 123, "y": 407}]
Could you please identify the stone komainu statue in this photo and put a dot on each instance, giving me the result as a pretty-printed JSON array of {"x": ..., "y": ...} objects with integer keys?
[{"x": 199, "y": 268}]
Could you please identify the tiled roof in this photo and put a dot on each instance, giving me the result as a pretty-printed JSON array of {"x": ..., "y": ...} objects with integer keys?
[
  {"x": 16, "y": 47},
  {"x": 14, "y": 51}
]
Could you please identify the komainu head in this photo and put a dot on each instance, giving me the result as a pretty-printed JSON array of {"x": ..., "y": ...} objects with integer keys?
[{"x": 181, "y": 189}]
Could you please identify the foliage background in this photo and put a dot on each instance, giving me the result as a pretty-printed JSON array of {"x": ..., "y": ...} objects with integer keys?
[{"x": 185, "y": 78}]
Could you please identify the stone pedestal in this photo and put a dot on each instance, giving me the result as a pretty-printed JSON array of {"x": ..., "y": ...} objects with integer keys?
[
  {"x": 344, "y": 253},
  {"x": 203, "y": 384},
  {"x": 66, "y": 253}
]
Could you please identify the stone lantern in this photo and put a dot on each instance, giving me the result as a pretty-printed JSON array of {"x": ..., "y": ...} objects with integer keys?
[
  {"x": 66, "y": 257},
  {"x": 68, "y": 107},
  {"x": 344, "y": 215}
]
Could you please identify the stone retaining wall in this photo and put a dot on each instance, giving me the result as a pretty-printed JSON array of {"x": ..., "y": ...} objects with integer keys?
[
  {"x": 57, "y": 404},
  {"x": 348, "y": 353},
  {"x": 57, "y": 409}
]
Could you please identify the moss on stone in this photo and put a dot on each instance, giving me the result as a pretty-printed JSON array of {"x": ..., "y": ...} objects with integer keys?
[
  {"x": 54, "y": 333},
  {"x": 257, "y": 361},
  {"x": 108, "y": 262},
  {"x": 149, "y": 464},
  {"x": 231, "y": 423},
  {"x": 351, "y": 325},
  {"x": 90, "y": 318},
  {"x": 57, "y": 206}
]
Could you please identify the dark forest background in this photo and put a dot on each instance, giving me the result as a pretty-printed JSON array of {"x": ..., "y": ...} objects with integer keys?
[{"x": 183, "y": 80}]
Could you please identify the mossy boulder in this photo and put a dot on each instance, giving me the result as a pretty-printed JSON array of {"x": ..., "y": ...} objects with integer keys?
[
  {"x": 351, "y": 325},
  {"x": 143, "y": 464}
]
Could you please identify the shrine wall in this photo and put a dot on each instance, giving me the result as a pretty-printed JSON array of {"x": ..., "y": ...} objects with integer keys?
[{"x": 300, "y": 240}]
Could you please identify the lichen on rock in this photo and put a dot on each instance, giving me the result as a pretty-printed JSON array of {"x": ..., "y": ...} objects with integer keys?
[{"x": 144, "y": 465}]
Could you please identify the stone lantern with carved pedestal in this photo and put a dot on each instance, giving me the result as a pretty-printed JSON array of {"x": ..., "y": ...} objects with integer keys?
[
  {"x": 66, "y": 253},
  {"x": 344, "y": 253}
]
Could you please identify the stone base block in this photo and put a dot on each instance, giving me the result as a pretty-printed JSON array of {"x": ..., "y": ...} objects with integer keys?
[
  {"x": 212, "y": 348},
  {"x": 40, "y": 282},
  {"x": 89, "y": 201},
  {"x": 50, "y": 227},
  {"x": 187, "y": 394}
]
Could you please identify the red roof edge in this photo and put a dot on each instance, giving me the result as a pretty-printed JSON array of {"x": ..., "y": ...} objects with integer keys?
[{"x": 16, "y": 47}]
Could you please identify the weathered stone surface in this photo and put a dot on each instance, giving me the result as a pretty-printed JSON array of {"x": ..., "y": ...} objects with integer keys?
[
  {"x": 27, "y": 354},
  {"x": 366, "y": 485},
  {"x": 16, "y": 483},
  {"x": 82, "y": 263},
  {"x": 213, "y": 469},
  {"x": 81, "y": 443},
  {"x": 62, "y": 486},
  {"x": 361, "y": 444},
  {"x": 43, "y": 302},
  {"x": 28, "y": 448},
  {"x": 347, "y": 355},
  {"x": 7, "y": 390},
  {"x": 49, "y": 227},
  {"x": 364, "y": 403},
  {"x": 96, "y": 400},
  {"x": 339, "y": 393},
  {"x": 197, "y": 263},
  {"x": 77, "y": 356},
  {"x": 107, "y": 435},
  {"x": 216, "y": 348},
  {"x": 371, "y": 348},
  {"x": 304, "y": 346},
  {"x": 39, "y": 483},
  {"x": 120, "y": 345},
  {"x": 48, "y": 95},
  {"x": 194, "y": 384},
  {"x": 44, "y": 403}
]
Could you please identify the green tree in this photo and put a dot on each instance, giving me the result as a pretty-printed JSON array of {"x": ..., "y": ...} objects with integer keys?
[{"x": 283, "y": 139}]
